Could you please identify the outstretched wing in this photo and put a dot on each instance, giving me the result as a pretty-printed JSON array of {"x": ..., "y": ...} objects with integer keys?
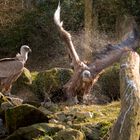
[
  {"x": 65, "y": 35},
  {"x": 112, "y": 53},
  {"x": 9, "y": 67}
]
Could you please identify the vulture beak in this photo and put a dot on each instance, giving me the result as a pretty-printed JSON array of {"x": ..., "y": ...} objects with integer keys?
[{"x": 30, "y": 50}]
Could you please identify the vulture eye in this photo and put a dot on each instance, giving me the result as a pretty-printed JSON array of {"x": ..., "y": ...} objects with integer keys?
[{"x": 27, "y": 49}]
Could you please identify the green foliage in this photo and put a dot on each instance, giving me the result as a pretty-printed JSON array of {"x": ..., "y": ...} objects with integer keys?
[
  {"x": 35, "y": 27},
  {"x": 109, "y": 11},
  {"x": 73, "y": 14}
]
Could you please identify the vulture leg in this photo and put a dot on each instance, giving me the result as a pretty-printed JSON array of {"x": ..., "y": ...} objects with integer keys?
[
  {"x": 6, "y": 90},
  {"x": 87, "y": 88}
]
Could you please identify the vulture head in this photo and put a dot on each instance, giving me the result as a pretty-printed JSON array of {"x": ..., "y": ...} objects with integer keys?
[
  {"x": 24, "y": 50},
  {"x": 86, "y": 76}
]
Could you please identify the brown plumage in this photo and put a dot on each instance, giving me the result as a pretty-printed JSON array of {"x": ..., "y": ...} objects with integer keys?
[
  {"x": 11, "y": 69},
  {"x": 85, "y": 75}
]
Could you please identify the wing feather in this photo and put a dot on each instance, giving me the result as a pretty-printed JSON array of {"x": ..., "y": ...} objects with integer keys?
[{"x": 9, "y": 67}]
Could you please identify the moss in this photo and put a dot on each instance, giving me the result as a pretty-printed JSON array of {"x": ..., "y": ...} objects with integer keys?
[
  {"x": 41, "y": 84},
  {"x": 96, "y": 131},
  {"x": 44, "y": 138},
  {"x": 109, "y": 82},
  {"x": 22, "y": 116},
  {"x": 23, "y": 81},
  {"x": 50, "y": 80},
  {"x": 69, "y": 134},
  {"x": 104, "y": 128},
  {"x": 95, "y": 127},
  {"x": 40, "y": 131}
]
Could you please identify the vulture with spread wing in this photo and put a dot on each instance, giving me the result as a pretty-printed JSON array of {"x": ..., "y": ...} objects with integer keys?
[
  {"x": 85, "y": 75},
  {"x": 11, "y": 69}
]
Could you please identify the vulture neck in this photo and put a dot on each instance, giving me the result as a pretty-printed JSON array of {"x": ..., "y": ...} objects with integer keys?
[{"x": 24, "y": 55}]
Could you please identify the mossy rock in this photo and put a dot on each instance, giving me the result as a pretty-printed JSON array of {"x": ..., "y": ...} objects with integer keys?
[
  {"x": 69, "y": 134},
  {"x": 41, "y": 131},
  {"x": 25, "y": 80},
  {"x": 23, "y": 115},
  {"x": 109, "y": 84},
  {"x": 44, "y": 138},
  {"x": 96, "y": 131},
  {"x": 50, "y": 81}
]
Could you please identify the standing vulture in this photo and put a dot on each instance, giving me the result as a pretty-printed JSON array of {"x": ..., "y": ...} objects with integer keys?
[{"x": 11, "y": 69}]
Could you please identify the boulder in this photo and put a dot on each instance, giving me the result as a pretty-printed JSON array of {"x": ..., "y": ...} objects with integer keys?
[
  {"x": 107, "y": 87},
  {"x": 69, "y": 134},
  {"x": 49, "y": 83},
  {"x": 95, "y": 131},
  {"x": 22, "y": 88},
  {"x": 25, "y": 79},
  {"x": 44, "y": 138},
  {"x": 36, "y": 131},
  {"x": 23, "y": 115}
]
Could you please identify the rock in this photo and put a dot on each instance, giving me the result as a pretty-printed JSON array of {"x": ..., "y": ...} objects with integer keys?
[
  {"x": 69, "y": 134},
  {"x": 43, "y": 138},
  {"x": 23, "y": 81},
  {"x": 23, "y": 87},
  {"x": 16, "y": 101},
  {"x": 44, "y": 110},
  {"x": 108, "y": 85},
  {"x": 86, "y": 115},
  {"x": 95, "y": 131},
  {"x": 10, "y": 101},
  {"x": 2, "y": 128},
  {"x": 91, "y": 132},
  {"x": 50, "y": 106},
  {"x": 49, "y": 83},
  {"x": 23, "y": 115},
  {"x": 35, "y": 131},
  {"x": 62, "y": 117},
  {"x": 34, "y": 103},
  {"x": 53, "y": 121},
  {"x": 6, "y": 105},
  {"x": 69, "y": 123}
]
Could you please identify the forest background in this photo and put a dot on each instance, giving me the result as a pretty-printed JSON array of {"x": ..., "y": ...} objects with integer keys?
[{"x": 31, "y": 22}]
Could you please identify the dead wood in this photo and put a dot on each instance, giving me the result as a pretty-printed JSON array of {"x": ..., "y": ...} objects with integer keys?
[{"x": 127, "y": 125}]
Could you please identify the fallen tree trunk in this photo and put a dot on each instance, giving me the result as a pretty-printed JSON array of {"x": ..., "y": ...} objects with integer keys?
[{"x": 127, "y": 126}]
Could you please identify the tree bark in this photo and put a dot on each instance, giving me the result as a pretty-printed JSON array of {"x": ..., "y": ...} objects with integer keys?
[
  {"x": 88, "y": 28},
  {"x": 127, "y": 125}
]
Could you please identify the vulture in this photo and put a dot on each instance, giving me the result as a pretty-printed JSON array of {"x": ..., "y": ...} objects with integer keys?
[
  {"x": 85, "y": 75},
  {"x": 11, "y": 69}
]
